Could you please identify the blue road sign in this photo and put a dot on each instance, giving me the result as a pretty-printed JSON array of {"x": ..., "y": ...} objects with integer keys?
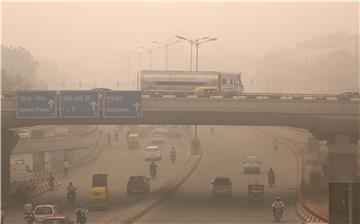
[
  {"x": 36, "y": 104},
  {"x": 122, "y": 104},
  {"x": 79, "y": 104}
]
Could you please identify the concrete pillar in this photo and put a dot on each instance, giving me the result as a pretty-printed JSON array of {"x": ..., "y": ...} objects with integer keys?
[
  {"x": 342, "y": 159},
  {"x": 8, "y": 141}
]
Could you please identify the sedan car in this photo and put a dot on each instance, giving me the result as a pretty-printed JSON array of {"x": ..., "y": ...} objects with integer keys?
[
  {"x": 57, "y": 220},
  {"x": 221, "y": 187},
  {"x": 252, "y": 165},
  {"x": 138, "y": 184},
  {"x": 41, "y": 212},
  {"x": 152, "y": 153}
]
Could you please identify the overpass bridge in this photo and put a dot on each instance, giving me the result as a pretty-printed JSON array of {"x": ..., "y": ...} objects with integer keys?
[{"x": 328, "y": 117}]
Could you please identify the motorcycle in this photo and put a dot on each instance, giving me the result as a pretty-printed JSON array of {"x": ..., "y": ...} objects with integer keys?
[
  {"x": 277, "y": 213},
  {"x": 153, "y": 173},
  {"x": 173, "y": 157},
  {"x": 271, "y": 179},
  {"x": 29, "y": 218},
  {"x": 71, "y": 195}
]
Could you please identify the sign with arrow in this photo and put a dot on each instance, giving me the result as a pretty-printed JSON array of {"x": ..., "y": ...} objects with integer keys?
[
  {"x": 122, "y": 104},
  {"x": 36, "y": 104},
  {"x": 79, "y": 104}
]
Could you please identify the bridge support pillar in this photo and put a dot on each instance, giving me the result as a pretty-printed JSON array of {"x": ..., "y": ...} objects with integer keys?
[
  {"x": 8, "y": 141},
  {"x": 342, "y": 159}
]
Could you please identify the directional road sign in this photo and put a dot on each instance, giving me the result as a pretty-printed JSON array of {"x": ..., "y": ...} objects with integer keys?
[
  {"x": 36, "y": 104},
  {"x": 79, "y": 104},
  {"x": 122, "y": 104}
]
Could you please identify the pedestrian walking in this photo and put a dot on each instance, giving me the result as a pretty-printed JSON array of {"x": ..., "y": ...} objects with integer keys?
[{"x": 51, "y": 183}]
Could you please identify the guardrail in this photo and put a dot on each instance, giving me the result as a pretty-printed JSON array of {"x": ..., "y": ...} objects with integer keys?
[{"x": 282, "y": 96}]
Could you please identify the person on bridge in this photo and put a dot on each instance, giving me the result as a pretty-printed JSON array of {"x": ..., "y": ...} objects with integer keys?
[
  {"x": 51, "y": 182},
  {"x": 80, "y": 213},
  {"x": 71, "y": 189}
]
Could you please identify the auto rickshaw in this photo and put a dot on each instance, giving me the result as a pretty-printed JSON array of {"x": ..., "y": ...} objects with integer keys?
[
  {"x": 205, "y": 90},
  {"x": 133, "y": 141},
  {"x": 99, "y": 195},
  {"x": 256, "y": 193}
]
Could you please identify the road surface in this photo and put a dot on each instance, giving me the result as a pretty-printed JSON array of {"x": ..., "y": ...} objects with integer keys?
[{"x": 193, "y": 203}]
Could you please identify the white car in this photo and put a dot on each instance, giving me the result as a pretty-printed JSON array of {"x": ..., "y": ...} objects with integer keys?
[
  {"x": 43, "y": 211},
  {"x": 157, "y": 137},
  {"x": 152, "y": 153},
  {"x": 252, "y": 165}
]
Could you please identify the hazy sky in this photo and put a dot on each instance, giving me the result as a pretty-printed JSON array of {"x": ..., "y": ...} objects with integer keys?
[{"x": 88, "y": 40}]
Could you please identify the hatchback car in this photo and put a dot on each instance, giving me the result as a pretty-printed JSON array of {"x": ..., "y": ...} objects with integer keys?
[
  {"x": 252, "y": 165},
  {"x": 41, "y": 212},
  {"x": 152, "y": 153},
  {"x": 221, "y": 187},
  {"x": 157, "y": 137},
  {"x": 138, "y": 184}
]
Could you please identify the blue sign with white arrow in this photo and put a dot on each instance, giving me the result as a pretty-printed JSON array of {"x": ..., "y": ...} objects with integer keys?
[
  {"x": 122, "y": 104},
  {"x": 79, "y": 104},
  {"x": 36, "y": 104}
]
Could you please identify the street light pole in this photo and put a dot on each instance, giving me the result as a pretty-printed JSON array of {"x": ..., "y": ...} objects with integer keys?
[
  {"x": 150, "y": 51},
  {"x": 166, "y": 45}
]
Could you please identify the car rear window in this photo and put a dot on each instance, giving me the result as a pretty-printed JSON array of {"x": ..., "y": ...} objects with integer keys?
[
  {"x": 222, "y": 181},
  {"x": 136, "y": 178},
  {"x": 43, "y": 211}
]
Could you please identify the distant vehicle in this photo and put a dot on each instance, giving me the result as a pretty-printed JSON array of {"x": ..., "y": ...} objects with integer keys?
[
  {"x": 157, "y": 136},
  {"x": 221, "y": 187},
  {"x": 41, "y": 212},
  {"x": 252, "y": 165},
  {"x": 138, "y": 184},
  {"x": 99, "y": 193},
  {"x": 256, "y": 193},
  {"x": 174, "y": 133},
  {"x": 161, "y": 82},
  {"x": 57, "y": 220},
  {"x": 348, "y": 95},
  {"x": 61, "y": 131},
  {"x": 133, "y": 141},
  {"x": 24, "y": 133},
  {"x": 152, "y": 153}
]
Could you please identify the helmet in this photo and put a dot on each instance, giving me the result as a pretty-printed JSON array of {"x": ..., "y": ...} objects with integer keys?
[
  {"x": 80, "y": 205},
  {"x": 70, "y": 183},
  {"x": 278, "y": 198}
]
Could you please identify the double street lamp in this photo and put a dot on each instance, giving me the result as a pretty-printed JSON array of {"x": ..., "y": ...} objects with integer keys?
[
  {"x": 150, "y": 51},
  {"x": 197, "y": 42},
  {"x": 166, "y": 45}
]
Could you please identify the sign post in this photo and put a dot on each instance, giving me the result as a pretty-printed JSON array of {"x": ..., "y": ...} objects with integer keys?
[
  {"x": 79, "y": 104},
  {"x": 36, "y": 104},
  {"x": 122, "y": 104}
]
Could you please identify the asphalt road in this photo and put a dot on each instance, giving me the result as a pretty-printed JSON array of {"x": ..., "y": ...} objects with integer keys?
[
  {"x": 120, "y": 163},
  {"x": 224, "y": 153}
]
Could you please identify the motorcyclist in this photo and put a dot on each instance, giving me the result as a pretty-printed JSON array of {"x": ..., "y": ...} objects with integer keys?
[
  {"x": 271, "y": 174},
  {"x": 153, "y": 167},
  {"x": 212, "y": 131},
  {"x": 278, "y": 204},
  {"x": 71, "y": 189},
  {"x": 80, "y": 213},
  {"x": 275, "y": 143},
  {"x": 29, "y": 209},
  {"x": 173, "y": 153}
]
